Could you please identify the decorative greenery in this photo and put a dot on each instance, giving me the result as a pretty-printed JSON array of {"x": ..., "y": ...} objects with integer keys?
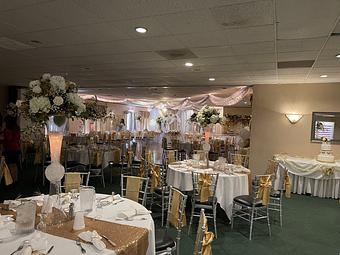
[
  {"x": 50, "y": 96},
  {"x": 234, "y": 119},
  {"x": 12, "y": 110},
  {"x": 94, "y": 111}
]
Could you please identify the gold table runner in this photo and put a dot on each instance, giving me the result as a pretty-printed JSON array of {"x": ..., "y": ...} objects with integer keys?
[{"x": 129, "y": 240}]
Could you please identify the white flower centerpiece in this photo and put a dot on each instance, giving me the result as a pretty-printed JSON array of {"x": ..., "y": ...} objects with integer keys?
[{"x": 51, "y": 101}]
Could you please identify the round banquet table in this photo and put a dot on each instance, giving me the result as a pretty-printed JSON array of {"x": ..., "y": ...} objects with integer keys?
[
  {"x": 228, "y": 185},
  {"x": 81, "y": 155},
  {"x": 106, "y": 213}
]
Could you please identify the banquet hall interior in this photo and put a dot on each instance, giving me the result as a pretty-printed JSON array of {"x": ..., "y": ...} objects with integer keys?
[{"x": 170, "y": 127}]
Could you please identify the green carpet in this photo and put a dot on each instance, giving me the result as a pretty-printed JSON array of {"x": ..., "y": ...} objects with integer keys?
[{"x": 311, "y": 226}]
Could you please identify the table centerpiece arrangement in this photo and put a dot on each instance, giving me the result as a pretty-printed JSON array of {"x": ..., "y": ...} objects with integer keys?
[{"x": 50, "y": 101}]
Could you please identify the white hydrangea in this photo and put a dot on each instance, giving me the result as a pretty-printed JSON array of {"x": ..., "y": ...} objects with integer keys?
[
  {"x": 18, "y": 103},
  {"x": 34, "y": 83},
  {"x": 45, "y": 77},
  {"x": 39, "y": 103},
  {"x": 214, "y": 119},
  {"x": 58, "y": 83},
  {"x": 36, "y": 89},
  {"x": 81, "y": 108},
  {"x": 58, "y": 100}
]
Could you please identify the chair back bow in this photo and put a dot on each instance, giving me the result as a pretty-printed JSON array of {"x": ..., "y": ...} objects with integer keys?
[
  {"x": 287, "y": 184},
  {"x": 204, "y": 186},
  {"x": 207, "y": 240},
  {"x": 264, "y": 189},
  {"x": 155, "y": 176}
]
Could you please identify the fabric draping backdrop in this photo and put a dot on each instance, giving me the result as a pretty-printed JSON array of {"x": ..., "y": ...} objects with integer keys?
[{"x": 192, "y": 103}]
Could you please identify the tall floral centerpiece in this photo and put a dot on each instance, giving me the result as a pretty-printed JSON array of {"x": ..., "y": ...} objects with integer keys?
[
  {"x": 206, "y": 117},
  {"x": 51, "y": 101}
]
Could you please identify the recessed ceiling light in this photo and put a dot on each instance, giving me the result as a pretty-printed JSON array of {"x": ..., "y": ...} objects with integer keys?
[
  {"x": 337, "y": 55},
  {"x": 211, "y": 79},
  {"x": 141, "y": 30},
  {"x": 188, "y": 64},
  {"x": 323, "y": 76},
  {"x": 165, "y": 87}
]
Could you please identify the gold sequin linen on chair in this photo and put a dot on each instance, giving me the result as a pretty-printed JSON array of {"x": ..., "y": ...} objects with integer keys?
[
  {"x": 207, "y": 240},
  {"x": 175, "y": 207},
  {"x": 128, "y": 239},
  {"x": 204, "y": 186},
  {"x": 72, "y": 181},
  {"x": 155, "y": 176},
  {"x": 287, "y": 184},
  {"x": 264, "y": 190},
  {"x": 132, "y": 187}
]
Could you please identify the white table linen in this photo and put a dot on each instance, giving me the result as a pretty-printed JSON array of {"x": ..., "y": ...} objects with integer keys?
[
  {"x": 106, "y": 213},
  {"x": 81, "y": 155},
  {"x": 228, "y": 186},
  {"x": 308, "y": 176}
]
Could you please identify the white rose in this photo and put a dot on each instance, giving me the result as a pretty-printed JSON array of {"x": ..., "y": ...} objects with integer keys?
[
  {"x": 45, "y": 76},
  {"x": 32, "y": 84},
  {"x": 36, "y": 89},
  {"x": 18, "y": 103},
  {"x": 58, "y": 83},
  {"x": 58, "y": 101},
  {"x": 214, "y": 119}
]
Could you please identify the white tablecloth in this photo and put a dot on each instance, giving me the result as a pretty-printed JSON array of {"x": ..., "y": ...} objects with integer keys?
[
  {"x": 308, "y": 176},
  {"x": 81, "y": 156},
  {"x": 228, "y": 186},
  {"x": 107, "y": 213}
]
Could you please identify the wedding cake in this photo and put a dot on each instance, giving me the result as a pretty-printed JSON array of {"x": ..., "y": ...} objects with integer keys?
[{"x": 326, "y": 152}]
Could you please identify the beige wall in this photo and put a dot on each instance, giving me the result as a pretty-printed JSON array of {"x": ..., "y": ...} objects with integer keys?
[{"x": 272, "y": 133}]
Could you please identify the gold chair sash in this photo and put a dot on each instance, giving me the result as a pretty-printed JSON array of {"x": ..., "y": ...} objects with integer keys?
[
  {"x": 116, "y": 156},
  {"x": 98, "y": 159},
  {"x": 288, "y": 185},
  {"x": 204, "y": 185},
  {"x": 129, "y": 158},
  {"x": 171, "y": 157},
  {"x": 174, "y": 214},
  {"x": 72, "y": 181},
  {"x": 132, "y": 188},
  {"x": 148, "y": 157},
  {"x": 155, "y": 177},
  {"x": 7, "y": 174},
  {"x": 207, "y": 240},
  {"x": 238, "y": 159},
  {"x": 264, "y": 190},
  {"x": 142, "y": 168}
]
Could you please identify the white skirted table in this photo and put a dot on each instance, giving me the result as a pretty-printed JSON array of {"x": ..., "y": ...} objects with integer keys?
[
  {"x": 228, "y": 186},
  {"x": 310, "y": 176},
  {"x": 106, "y": 213}
]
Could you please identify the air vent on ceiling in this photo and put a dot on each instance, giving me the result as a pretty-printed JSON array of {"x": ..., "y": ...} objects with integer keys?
[
  {"x": 177, "y": 54},
  {"x": 295, "y": 64},
  {"x": 335, "y": 34},
  {"x": 10, "y": 44}
]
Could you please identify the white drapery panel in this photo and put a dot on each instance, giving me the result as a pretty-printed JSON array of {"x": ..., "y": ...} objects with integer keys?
[{"x": 192, "y": 103}]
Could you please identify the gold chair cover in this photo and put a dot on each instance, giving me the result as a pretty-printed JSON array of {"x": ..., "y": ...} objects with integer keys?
[
  {"x": 132, "y": 188},
  {"x": 207, "y": 240},
  {"x": 204, "y": 186},
  {"x": 174, "y": 214},
  {"x": 72, "y": 181}
]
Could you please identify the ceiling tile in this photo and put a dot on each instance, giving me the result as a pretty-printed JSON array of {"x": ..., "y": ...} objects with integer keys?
[{"x": 250, "y": 34}]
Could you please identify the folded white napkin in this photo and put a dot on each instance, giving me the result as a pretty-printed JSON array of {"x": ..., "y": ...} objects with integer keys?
[
  {"x": 129, "y": 214},
  {"x": 26, "y": 251},
  {"x": 12, "y": 204},
  {"x": 94, "y": 238}
]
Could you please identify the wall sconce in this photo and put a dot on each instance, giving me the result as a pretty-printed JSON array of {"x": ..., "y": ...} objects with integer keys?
[{"x": 293, "y": 117}]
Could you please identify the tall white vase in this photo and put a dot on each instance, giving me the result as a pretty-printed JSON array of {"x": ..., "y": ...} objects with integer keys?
[{"x": 55, "y": 171}]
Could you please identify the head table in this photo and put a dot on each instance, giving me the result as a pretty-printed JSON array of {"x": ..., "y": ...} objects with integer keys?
[
  {"x": 229, "y": 185},
  {"x": 309, "y": 175},
  {"x": 106, "y": 213}
]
